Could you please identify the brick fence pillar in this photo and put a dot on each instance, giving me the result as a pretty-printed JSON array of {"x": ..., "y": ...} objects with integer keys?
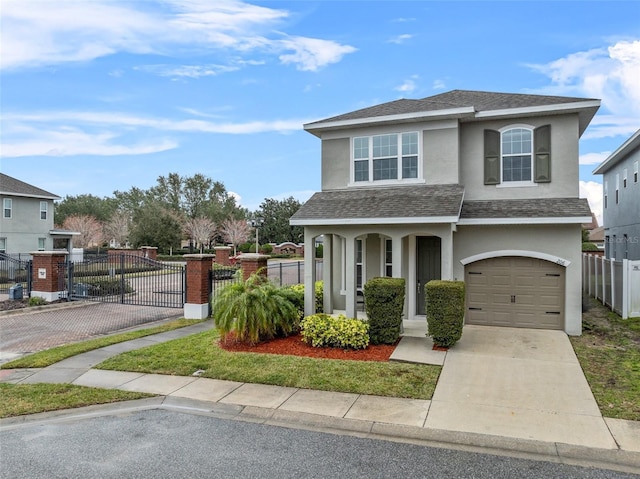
[
  {"x": 253, "y": 263},
  {"x": 223, "y": 253},
  {"x": 150, "y": 252},
  {"x": 45, "y": 279},
  {"x": 198, "y": 286}
]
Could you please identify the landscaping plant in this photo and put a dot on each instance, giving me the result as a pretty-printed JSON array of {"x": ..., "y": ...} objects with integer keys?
[
  {"x": 323, "y": 330},
  {"x": 384, "y": 302},
  {"x": 254, "y": 310},
  {"x": 445, "y": 311}
]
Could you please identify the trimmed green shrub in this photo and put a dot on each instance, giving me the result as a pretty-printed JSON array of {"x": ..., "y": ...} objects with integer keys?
[
  {"x": 108, "y": 287},
  {"x": 384, "y": 302},
  {"x": 266, "y": 249},
  {"x": 254, "y": 310},
  {"x": 37, "y": 301},
  {"x": 589, "y": 247},
  {"x": 319, "y": 287},
  {"x": 323, "y": 330},
  {"x": 445, "y": 311}
]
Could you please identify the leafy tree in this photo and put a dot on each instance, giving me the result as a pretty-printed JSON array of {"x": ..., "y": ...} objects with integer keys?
[
  {"x": 118, "y": 228},
  {"x": 155, "y": 225},
  {"x": 276, "y": 215},
  {"x": 132, "y": 201},
  {"x": 89, "y": 227},
  {"x": 200, "y": 229},
  {"x": 235, "y": 232},
  {"x": 169, "y": 191},
  {"x": 87, "y": 204}
]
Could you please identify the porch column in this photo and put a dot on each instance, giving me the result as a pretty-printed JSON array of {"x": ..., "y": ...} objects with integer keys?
[
  {"x": 350, "y": 276},
  {"x": 446, "y": 255},
  {"x": 198, "y": 286},
  {"x": 46, "y": 276},
  {"x": 309, "y": 273},
  {"x": 396, "y": 256},
  {"x": 327, "y": 273}
]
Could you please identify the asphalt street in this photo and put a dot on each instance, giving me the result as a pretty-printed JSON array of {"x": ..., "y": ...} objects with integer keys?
[{"x": 168, "y": 444}]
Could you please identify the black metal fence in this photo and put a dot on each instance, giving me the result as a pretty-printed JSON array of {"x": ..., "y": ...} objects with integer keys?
[
  {"x": 124, "y": 279},
  {"x": 15, "y": 270},
  {"x": 290, "y": 272}
]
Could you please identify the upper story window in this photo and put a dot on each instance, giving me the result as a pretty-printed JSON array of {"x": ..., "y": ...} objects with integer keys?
[
  {"x": 7, "y": 208},
  {"x": 517, "y": 156},
  {"x": 624, "y": 178},
  {"x": 390, "y": 157},
  {"x": 635, "y": 172},
  {"x": 617, "y": 188},
  {"x": 606, "y": 193},
  {"x": 43, "y": 210}
]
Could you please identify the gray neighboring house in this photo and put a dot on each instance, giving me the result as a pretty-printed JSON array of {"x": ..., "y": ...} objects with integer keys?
[
  {"x": 465, "y": 185},
  {"x": 621, "y": 205},
  {"x": 26, "y": 222}
]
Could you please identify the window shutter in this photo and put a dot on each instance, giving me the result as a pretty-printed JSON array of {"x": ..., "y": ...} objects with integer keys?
[
  {"x": 542, "y": 141},
  {"x": 491, "y": 157}
]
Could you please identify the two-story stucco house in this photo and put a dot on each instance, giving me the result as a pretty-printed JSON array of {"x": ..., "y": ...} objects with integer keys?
[
  {"x": 464, "y": 185},
  {"x": 621, "y": 205},
  {"x": 26, "y": 222}
]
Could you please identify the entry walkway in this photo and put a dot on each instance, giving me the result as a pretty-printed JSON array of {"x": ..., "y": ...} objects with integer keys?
[{"x": 499, "y": 389}]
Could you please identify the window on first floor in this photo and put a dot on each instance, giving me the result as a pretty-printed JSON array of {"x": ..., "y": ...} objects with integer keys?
[
  {"x": 42, "y": 243},
  {"x": 3, "y": 245},
  {"x": 7, "y": 206},
  {"x": 43, "y": 210},
  {"x": 625, "y": 246},
  {"x": 390, "y": 157},
  {"x": 359, "y": 264},
  {"x": 388, "y": 258}
]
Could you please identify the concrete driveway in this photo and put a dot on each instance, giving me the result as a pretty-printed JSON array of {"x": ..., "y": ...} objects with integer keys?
[{"x": 518, "y": 383}]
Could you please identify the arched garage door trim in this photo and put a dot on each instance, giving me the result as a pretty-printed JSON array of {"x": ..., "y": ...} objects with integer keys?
[{"x": 516, "y": 252}]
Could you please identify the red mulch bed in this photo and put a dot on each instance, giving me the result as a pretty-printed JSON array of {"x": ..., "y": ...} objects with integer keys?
[{"x": 294, "y": 346}]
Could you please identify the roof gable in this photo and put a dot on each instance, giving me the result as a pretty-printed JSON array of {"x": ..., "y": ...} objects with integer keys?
[{"x": 13, "y": 187}]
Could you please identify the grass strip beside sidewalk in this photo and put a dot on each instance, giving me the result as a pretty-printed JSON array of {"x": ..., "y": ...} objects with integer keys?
[{"x": 51, "y": 356}]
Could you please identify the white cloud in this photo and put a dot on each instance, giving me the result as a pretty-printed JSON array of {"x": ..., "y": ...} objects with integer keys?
[
  {"x": 72, "y": 141},
  {"x": 594, "y": 158},
  {"x": 42, "y": 32},
  {"x": 610, "y": 74},
  {"x": 409, "y": 85},
  {"x": 400, "y": 39},
  {"x": 438, "y": 85},
  {"x": 593, "y": 192},
  {"x": 188, "y": 71}
]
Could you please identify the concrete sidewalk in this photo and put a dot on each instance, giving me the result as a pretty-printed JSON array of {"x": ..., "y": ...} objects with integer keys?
[{"x": 498, "y": 390}]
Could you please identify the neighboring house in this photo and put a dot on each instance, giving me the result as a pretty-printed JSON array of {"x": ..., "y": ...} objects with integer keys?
[
  {"x": 621, "y": 206},
  {"x": 465, "y": 185},
  {"x": 26, "y": 222}
]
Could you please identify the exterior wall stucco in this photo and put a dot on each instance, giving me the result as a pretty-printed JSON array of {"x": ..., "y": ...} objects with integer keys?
[
  {"x": 335, "y": 163},
  {"x": 561, "y": 241},
  {"x": 24, "y": 227},
  {"x": 441, "y": 153},
  {"x": 564, "y": 160},
  {"x": 624, "y": 217}
]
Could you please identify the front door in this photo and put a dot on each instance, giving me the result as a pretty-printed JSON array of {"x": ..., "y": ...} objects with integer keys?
[{"x": 428, "y": 266}]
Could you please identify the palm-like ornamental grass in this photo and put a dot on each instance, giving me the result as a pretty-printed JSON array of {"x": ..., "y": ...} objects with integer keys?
[{"x": 254, "y": 310}]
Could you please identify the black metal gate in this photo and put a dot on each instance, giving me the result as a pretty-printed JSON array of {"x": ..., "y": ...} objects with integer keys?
[
  {"x": 125, "y": 279},
  {"x": 15, "y": 270}
]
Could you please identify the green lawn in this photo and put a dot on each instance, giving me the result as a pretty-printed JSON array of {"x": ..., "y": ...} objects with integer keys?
[
  {"x": 20, "y": 399},
  {"x": 609, "y": 353},
  {"x": 200, "y": 352}
]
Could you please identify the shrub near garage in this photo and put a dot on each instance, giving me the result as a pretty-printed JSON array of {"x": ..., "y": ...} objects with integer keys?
[
  {"x": 323, "y": 330},
  {"x": 445, "y": 311}
]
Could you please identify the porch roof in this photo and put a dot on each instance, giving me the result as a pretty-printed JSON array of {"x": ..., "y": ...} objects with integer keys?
[
  {"x": 390, "y": 205},
  {"x": 539, "y": 210}
]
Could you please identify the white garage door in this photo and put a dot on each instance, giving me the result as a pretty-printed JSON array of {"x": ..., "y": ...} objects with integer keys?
[{"x": 516, "y": 292}]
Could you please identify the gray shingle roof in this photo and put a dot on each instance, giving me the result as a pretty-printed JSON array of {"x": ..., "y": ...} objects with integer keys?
[
  {"x": 529, "y": 208},
  {"x": 480, "y": 100},
  {"x": 13, "y": 186},
  {"x": 410, "y": 202}
]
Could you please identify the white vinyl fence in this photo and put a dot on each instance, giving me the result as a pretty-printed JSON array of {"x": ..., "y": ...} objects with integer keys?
[{"x": 615, "y": 283}]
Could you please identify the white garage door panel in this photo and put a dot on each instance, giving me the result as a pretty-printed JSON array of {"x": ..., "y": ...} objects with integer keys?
[{"x": 515, "y": 291}]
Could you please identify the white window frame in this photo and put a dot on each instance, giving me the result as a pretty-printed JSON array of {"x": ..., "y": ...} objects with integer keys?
[
  {"x": 42, "y": 244},
  {"x": 624, "y": 178},
  {"x": 606, "y": 193},
  {"x": 3, "y": 245},
  {"x": 5, "y": 208},
  {"x": 399, "y": 158},
  {"x": 512, "y": 184},
  {"x": 44, "y": 210},
  {"x": 617, "y": 188},
  {"x": 635, "y": 172},
  {"x": 384, "y": 264}
]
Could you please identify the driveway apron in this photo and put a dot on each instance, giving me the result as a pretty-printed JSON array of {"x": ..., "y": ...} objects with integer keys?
[{"x": 519, "y": 383}]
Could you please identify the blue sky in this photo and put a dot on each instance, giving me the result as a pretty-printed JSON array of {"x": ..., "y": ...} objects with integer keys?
[{"x": 106, "y": 95}]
